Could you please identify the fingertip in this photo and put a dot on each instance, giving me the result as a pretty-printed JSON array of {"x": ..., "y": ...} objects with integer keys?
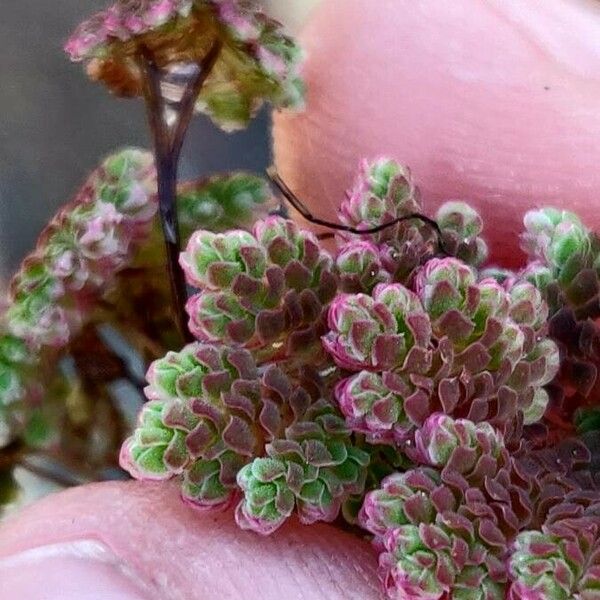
[
  {"x": 493, "y": 103},
  {"x": 180, "y": 553}
]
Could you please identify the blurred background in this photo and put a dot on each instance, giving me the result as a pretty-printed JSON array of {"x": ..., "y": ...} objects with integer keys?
[{"x": 55, "y": 125}]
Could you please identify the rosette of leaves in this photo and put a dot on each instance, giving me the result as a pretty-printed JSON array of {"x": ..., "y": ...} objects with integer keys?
[
  {"x": 75, "y": 264},
  {"x": 563, "y": 475},
  {"x": 541, "y": 357},
  {"x": 445, "y": 528},
  {"x": 428, "y": 562},
  {"x": 200, "y": 421},
  {"x": 565, "y": 262},
  {"x": 126, "y": 180},
  {"x": 211, "y": 412},
  {"x": 385, "y": 508},
  {"x": 256, "y": 61},
  {"x": 374, "y": 404},
  {"x": 81, "y": 250},
  {"x": 360, "y": 267},
  {"x": 529, "y": 309},
  {"x": 386, "y": 330},
  {"x": 461, "y": 456},
  {"x": 558, "y": 563},
  {"x": 482, "y": 353},
  {"x": 384, "y": 194},
  {"x": 447, "y": 284},
  {"x": 559, "y": 240},
  {"x": 222, "y": 202},
  {"x": 313, "y": 471},
  {"x": 461, "y": 227},
  {"x": 498, "y": 337},
  {"x": 40, "y": 311},
  {"x": 267, "y": 291},
  {"x": 383, "y": 191}
]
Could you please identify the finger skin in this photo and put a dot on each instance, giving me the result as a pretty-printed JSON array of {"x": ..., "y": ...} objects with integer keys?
[
  {"x": 32, "y": 577},
  {"x": 493, "y": 102},
  {"x": 183, "y": 554}
]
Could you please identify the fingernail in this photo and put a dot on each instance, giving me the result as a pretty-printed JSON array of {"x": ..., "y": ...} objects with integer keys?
[{"x": 78, "y": 570}]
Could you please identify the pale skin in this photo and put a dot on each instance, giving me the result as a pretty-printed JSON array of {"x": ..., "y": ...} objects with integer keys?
[{"x": 524, "y": 148}]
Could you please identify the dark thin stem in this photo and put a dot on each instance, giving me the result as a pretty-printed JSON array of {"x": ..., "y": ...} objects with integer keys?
[
  {"x": 190, "y": 95},
  {"x": 299, "y": 206},
  {"x": 168, "y": 142},
  {"x": 166, "y": 171},
  {"x": 167, "y": 193}
]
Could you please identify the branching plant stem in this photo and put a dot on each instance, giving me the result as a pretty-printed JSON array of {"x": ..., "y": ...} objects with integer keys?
[{"x": 168, "y": 140}]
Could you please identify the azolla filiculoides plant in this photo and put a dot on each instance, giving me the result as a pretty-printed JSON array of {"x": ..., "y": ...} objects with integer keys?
[
  {"x": 388, "y": 385},
  {"x": 398, "y": 385}
]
